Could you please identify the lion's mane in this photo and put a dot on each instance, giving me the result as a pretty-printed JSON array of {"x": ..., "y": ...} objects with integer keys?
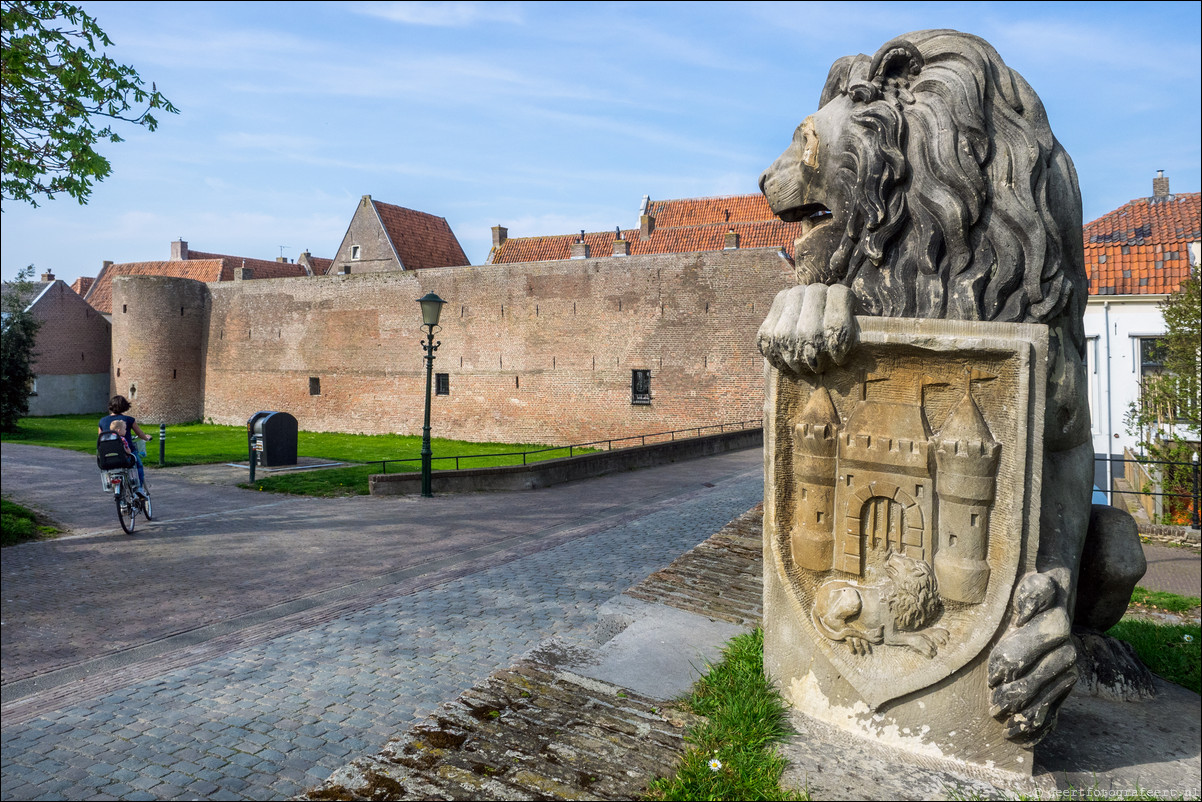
[{"x": 962, "y": 203}]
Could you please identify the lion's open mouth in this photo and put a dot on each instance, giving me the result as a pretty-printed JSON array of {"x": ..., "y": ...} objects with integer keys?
[{"x": 813, "y": 213}]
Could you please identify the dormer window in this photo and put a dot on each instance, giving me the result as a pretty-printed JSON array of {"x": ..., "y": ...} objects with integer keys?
[{"x": 355, "y": 252}]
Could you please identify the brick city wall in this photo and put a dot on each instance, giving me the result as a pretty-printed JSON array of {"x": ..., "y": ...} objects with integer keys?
[{"x": 536, "y": 353}]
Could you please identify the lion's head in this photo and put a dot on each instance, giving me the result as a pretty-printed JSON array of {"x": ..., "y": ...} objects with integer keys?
[{"x": 935, "y": 188}]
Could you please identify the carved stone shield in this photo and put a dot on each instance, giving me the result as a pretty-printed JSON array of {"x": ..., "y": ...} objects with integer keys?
[{"x": 901, "y": 507}]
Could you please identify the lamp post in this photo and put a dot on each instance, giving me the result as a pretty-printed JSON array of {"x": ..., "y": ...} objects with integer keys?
[{"x": 431, "y": 310}]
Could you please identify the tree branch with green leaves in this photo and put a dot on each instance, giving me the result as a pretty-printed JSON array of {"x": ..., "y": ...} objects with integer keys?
[{"x": 57, "y": 91}]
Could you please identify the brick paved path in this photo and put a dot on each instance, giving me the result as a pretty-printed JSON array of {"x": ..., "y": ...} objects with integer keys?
[{"x": 239, "y": 650}]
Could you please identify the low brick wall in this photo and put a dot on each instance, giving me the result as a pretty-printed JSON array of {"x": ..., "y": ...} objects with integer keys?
[{"x": 569, "y": 469}]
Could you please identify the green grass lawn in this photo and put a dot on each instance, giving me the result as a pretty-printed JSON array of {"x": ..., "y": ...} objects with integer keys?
[
  {"x": 18, "y": 524},
  {"x": 204, "y": 443}
]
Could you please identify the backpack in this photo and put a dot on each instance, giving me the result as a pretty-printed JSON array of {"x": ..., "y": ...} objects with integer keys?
[{"x": 111, "y": 454}]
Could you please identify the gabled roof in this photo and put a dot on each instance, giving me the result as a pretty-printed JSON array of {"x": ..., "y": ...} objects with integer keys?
[
  {"x": 681, "y": 226},
  {"x": 81, "y": 285},
  {"x": 421, "y": 240},
  {"x": 1143, "y": 246}
]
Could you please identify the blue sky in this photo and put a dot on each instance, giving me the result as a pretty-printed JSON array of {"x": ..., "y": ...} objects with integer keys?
[{"x": 549, "y": 118}]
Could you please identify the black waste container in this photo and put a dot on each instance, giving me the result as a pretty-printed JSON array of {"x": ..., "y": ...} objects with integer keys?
[{"x": 273, "y": 435}]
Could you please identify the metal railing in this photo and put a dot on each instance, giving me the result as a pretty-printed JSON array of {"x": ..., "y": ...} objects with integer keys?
[
  {"x": 1137, "y": 475},
  {"x": 595, "y": 445}
]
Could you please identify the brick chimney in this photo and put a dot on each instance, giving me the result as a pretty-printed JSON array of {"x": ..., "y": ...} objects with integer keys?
[
  {"x": 580, "y": 247},
  {"x": 47, "y": 277},
  {"x": 621, "y": 244},
  {"x": 646, "y": 226},
  {"x": 499, "y": 235},
  {"x": 179, "y": 251},
  {"x": 1160, "y": 185},
  {"x": 732, "y": 241}
]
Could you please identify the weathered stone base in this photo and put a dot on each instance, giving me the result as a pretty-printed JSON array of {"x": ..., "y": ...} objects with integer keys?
[{"x": 531, "y": 731}]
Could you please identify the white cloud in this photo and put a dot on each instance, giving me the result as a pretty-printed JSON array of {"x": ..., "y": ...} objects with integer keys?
[{"x": 443, "y": 15}]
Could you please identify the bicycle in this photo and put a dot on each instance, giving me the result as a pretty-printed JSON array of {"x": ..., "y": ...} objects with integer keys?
[{"x": 122, "y": 481}]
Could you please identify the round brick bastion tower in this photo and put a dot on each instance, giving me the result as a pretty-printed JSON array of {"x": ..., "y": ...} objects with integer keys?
[{"x": 159, "y": 329}]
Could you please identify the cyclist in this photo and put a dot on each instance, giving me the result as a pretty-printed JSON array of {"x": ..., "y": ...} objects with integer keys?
[{"x": 118, "y": 406}]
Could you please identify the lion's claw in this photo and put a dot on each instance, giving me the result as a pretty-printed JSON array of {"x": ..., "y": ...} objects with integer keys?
[{"x": 809, "y": 328}]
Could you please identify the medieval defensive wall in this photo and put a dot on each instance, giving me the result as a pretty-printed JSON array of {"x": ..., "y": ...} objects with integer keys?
[{"x": 539, "y": 352}]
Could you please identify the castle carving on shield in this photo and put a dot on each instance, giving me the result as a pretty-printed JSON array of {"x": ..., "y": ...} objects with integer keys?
[{"x": 882, "y": 483}]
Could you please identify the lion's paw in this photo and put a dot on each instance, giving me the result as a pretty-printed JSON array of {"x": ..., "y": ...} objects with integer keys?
[
  {"x": 809, "y": 328},
  {"x": 1034, "y": 666}
]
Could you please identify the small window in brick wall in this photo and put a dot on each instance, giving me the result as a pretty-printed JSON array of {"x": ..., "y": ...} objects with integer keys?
[
  {"x": 355, "y": 252},
  {"x": 314, "y": 385},
  {"x": 442, "y": 384},
  {"x": 640, "y": 387}
]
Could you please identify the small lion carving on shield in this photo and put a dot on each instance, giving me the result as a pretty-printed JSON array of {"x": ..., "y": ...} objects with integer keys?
[{"x": 934, "y": 188}]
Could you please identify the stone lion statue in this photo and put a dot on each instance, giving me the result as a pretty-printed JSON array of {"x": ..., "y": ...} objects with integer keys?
[{"x": 934, "y": 188}]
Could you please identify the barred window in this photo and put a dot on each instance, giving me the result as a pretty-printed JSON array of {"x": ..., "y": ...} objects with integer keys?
[{"x": 442, "y": 384}]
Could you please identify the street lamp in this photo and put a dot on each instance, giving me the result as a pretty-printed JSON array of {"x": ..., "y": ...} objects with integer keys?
[{"x": 431, "y": 310}]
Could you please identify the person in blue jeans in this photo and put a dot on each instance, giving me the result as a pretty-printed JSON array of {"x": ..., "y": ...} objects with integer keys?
[{"x": 118, "y": 406}]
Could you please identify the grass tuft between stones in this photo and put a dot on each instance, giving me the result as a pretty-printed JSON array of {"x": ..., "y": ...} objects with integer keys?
[{"x": 733, "y": 754}]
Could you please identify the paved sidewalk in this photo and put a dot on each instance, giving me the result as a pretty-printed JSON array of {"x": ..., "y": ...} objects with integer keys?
[
  {"x": 244, "y": 646},
  {"x": 256, "y": 648}
]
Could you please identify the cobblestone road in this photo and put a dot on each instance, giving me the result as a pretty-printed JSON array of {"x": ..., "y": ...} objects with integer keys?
[{"x": 275, "y": 706}]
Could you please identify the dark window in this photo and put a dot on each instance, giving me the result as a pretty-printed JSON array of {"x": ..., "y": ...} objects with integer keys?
[
  {"x": 314, "y": 385},
  {"x": 442, "y": 384},
  {"x": 1151, "y": 356},
  {"x": 640, "y": 387}
]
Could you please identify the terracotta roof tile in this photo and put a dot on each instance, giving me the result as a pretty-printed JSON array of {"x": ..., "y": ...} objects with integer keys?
[
  {"x": 1142, "y": 247},
  {"x": 705, "y": 211},
  {"x": 100, "y": 296},
  {"x": 263, "y": 268},
  {"x": 82, "y": 284},
  {"x": 199, "y": 265},
  {"x": 421, "y": 240},
  {"x": 321, "y": 265},
  {"x": 681, "y": 226},
  {"x": 682, "y": 239}
]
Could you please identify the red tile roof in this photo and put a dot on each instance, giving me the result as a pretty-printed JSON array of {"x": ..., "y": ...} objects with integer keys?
[
  {"x": 81, "y": 285},
  {"x": 100, "y": 296},
  {"x": 320, "y": 265},
  {"x": 263, "y": 268},
  {"x": 681, "y": 226},
  {"x": 706, "y": 211},
  {"x": 421, "y": 240},
  {"x": 1142, "y": 247},
  {"x": 199, "y": 265}
]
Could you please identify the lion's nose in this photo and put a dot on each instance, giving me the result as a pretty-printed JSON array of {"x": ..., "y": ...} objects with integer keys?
[{"x": 764, "y": 182}]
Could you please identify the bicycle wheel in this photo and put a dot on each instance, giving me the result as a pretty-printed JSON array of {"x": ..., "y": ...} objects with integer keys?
[
  {"x": 125, "y": 508},
  {"x": 146, "y": 507}
]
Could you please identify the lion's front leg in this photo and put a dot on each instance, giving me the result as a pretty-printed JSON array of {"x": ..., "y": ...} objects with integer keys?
[
  {"x": 809, "y": 328},
  {"x": 1033, "y": 667}
]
